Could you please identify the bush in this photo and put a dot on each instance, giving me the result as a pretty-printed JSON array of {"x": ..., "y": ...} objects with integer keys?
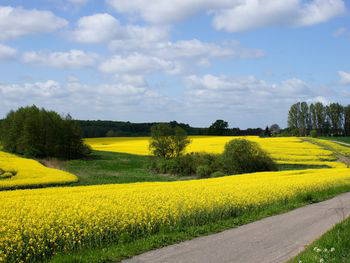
[
  {"x": 167, "y": 142},
  {"x": 313, "y": 134},
  {"x": 243, "y": 156},
  {"x": 39, "y": 133},
  {"x": 240, "y": 156},
  {"x": 217, "y": 174},
  {"x": 186, "y": 165},
  {"x": 203, "y": 171}
]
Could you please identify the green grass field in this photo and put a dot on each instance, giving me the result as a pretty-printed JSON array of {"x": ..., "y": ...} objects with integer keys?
[
  {"x": 121, "y": 168},
  {"x": 113, "y": 168}
]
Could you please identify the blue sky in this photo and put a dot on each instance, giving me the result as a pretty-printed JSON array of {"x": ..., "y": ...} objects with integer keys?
[{"x": 194, "y": 61}]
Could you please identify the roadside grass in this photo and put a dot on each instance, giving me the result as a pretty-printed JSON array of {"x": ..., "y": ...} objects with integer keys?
[
  {"x": 334, "y": 246},
  {"x": 131, "y": 247}
]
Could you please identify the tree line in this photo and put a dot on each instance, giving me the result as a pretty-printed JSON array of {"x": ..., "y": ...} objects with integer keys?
[
  {"x": 99, "y": 128},
  {"x": 319, "y": 119}
]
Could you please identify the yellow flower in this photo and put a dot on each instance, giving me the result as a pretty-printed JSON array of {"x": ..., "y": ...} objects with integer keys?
[{"x": 30, "y": 173}]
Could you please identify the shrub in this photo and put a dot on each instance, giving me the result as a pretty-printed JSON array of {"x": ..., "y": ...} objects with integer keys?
[
  {"x": 203, "y": 171},
  {"x": 313, "y": 134},
  {"x": 186, "y": 165},
  {"x": 168, "y": 142},
  {"x": 217, "y": 174},
  {"x": 243, "y": 156},
  {"x": 39, "y": 133}
]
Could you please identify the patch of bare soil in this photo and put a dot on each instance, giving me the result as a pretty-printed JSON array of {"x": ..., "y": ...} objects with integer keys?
[{"x": 51, "y": 163}]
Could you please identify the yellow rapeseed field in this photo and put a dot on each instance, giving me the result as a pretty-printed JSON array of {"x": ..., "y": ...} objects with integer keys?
[
  {"x": 336, "y": 147},
  {"x": 283, "y": 150},
  {"x": 37, "y": 223},
  {"x": 30, "y": 173}
]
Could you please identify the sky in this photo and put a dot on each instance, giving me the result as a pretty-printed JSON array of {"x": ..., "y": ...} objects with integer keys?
[{"x": 193, "y": 61}]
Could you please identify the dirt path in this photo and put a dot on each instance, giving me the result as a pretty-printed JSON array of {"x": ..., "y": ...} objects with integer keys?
[
  {"x": 342, "y": 143},
  {"x": 273, "y": 239},
  {"x": 341, "y": 157}
]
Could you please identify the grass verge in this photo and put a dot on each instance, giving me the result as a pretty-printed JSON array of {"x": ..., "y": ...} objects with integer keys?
[
  {"x": 334, "y": 246},
  {"x": 128, "y": 248}
]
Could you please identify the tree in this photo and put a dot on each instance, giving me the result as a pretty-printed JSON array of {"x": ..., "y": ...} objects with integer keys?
[
  {"x": 298, "y": 117},
  {"x": 180, "y": 141},
  {"x": 335, "y": 115},
  {"x": 320, "y": 117},
  {"x": 167, "y": 142},
  {"x": 313, "y": 117},
  {"x": 347, "y": 120},
  {"x": 304, "y": 118},
  {"x": 275, "y": 129},
  {"x": 243, "y": 156},
  {"x": 313, "y": 133},
  {"x": 110, "y": 133},
  {"x": 219, "y": 127},
  {"x": 266, "y": 132},
  {"x": 293, "y": 116},
  {"x": 39, "y": 133}
]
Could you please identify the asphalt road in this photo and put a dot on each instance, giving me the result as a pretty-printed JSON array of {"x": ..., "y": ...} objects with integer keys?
[{"x": 273, "y": 239}]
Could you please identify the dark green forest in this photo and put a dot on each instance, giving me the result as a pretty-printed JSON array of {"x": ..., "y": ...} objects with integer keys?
[{"x": 99, "y": 128}]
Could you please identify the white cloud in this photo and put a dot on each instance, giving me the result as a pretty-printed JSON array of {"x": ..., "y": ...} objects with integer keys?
[
  {"x": 182, "y": 54},
  {"x": 7, "y": 52},
  {"x": 99, "y": 28},
  {"x": 139, "y": 37},
  {"x": 344, "y": 77},
  {"x": 183, "y": 49},
  {"x": 235, "y": 15},
  {"x": 196, "y": 48},
  {"x": 252, "y": 14},
  {"x": 255, "y": 13},
  {"x": 321, "y": 99},
  {"x": 167, "y": 11},
  {"x": 18, "y": 92},
  {"x": 223, "y": 91},
  {"x": 16, "y": 22},
  {"x": 147, "y": 48},
  {"x": 319, "y": 11},
  {"x": 72, "y": 59},
  {"x": 128, "y": 96},
  {"x": 138, "y": 64},
  {"x": 244, "y": 101}
]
